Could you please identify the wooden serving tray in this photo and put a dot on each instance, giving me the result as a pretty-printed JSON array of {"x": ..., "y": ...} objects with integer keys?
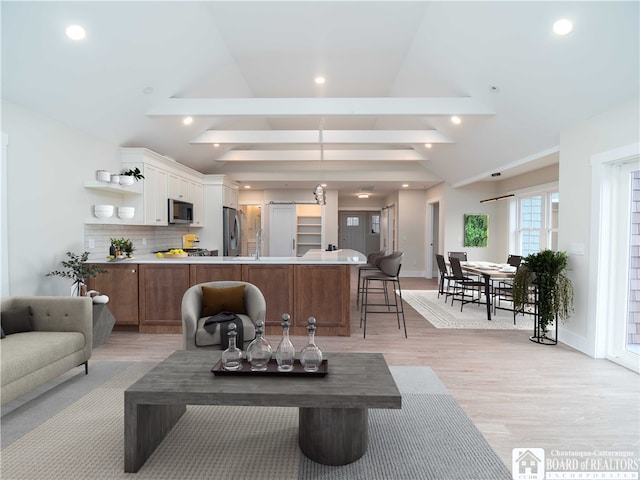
[{"x": 272, "y": 370}]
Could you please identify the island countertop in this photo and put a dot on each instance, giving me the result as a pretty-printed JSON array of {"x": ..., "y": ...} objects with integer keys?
[{"x": 312, "y": 257}]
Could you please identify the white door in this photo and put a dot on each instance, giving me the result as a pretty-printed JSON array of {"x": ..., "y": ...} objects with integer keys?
[
  {"x": 624, "y": 329},
  {"x": 282, "y": 230}
]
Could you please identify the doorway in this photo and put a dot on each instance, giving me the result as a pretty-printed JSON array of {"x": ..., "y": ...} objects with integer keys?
[
  {"x": 352, "y": 231},
  {"x": 433, "y": 222}
]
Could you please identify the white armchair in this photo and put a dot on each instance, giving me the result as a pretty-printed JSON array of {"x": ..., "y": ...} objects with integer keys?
[{"x": 194, "y": 335}]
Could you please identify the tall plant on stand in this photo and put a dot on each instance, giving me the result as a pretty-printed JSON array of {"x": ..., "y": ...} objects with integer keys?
[
  {"x": 546, "y": 270},
  {"x": 77, "y": 269}
]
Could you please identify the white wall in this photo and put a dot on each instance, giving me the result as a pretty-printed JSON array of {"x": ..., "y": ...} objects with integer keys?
[
  {"x": 411, "y": 231},
  {"x": 47, "y": 164},
  {"x": 612, "y": 129},
  {"x": 463, "y": 200}
]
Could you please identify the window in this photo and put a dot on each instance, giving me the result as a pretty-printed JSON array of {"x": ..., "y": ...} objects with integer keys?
[
  {"x": 537, "y": 222},
  {"x": 374, "y": 221},
  {"x": 353, "y": 221}
]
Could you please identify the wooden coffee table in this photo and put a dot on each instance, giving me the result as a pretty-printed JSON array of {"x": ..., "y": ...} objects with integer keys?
[{"x": 333, "y": 410}]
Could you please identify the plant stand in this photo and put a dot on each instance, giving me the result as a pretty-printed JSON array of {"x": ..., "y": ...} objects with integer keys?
[{"x": 540, "y": 335}]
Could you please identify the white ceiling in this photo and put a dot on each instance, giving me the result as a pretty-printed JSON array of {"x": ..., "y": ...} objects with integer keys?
[{"x": 395, "y": 73}]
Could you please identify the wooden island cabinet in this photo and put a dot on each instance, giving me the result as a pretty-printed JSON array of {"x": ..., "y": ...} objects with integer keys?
[
  {"x": 120, "y": 284},
  {"x": 147, "y": 295}
]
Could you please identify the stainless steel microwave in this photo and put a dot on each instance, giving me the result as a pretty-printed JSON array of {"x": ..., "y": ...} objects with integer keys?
[{"x": 180, "y": 212}]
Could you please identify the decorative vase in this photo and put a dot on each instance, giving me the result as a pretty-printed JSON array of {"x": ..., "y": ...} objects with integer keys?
[
  {"x": 311, "y": 355},
  {"x": 126, "y": 180},
  {"x": 259, "y": 350},
  {"x": 232, "y": 356},
  {"x": 103, "y": 176},
  {"x": 115, "y": 179},
  {"x": 286, "y": 353}
]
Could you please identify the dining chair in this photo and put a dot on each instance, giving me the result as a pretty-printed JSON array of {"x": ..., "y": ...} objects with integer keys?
[
  {"x": 389, "y": 266},
  {"x": 502, "y": 289},
  {"x": 444, "y": 275},
  {"x": 464, "y": 284},
  {"x": 462, "y": 256}
]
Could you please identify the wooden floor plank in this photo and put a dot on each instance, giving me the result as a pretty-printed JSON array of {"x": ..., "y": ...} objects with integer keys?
[{"x": 518, "y": 394}]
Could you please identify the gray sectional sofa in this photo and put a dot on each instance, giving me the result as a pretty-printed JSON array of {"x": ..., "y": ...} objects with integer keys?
[{"x": 58, "y": 337}]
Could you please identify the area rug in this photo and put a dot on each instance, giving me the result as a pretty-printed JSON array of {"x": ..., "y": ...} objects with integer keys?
[
  {"x": 443, "y": 315},
  {"x": 429, "y": 438}
]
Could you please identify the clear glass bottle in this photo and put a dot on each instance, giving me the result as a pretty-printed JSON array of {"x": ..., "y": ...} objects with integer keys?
[
  {"x": 232, "y": 356},
  {"x": 259, "y": 350},
  {"x": 285, "y": 354},
  {"x": 311, "y": 355}
]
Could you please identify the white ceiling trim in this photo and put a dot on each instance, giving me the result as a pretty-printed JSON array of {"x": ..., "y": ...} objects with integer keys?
[
  {"x": 322, "y": 136},
  {"x": 318, "y": 155},
  {"x": 295, "y": 107}
]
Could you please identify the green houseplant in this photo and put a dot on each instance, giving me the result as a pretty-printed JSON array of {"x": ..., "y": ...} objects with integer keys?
[
  {"x": 548, "y": 271},
  {"x": 133, "y": 172},
  {"x": 76, "y": 269},
  {"x": 123, "y": 245}
]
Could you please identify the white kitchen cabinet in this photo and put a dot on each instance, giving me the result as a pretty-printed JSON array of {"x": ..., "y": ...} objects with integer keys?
[
  {"x": 178, "y": 188},
  {"x": 197, "y": 198},
  {"x": 155, "y": 196},
  {"x": 230, "y": 197}
]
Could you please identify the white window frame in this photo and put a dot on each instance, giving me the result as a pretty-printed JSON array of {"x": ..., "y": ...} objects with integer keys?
[{"x": 546, "y": 228}]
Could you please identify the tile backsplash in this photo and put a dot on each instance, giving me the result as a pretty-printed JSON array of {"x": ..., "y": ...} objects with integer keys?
[{"x": 157, "y": 238}]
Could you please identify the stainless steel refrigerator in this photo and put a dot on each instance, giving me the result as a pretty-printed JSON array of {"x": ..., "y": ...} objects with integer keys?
[{"x": 231, "y": 232}]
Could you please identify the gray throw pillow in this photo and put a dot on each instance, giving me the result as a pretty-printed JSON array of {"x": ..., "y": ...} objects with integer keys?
[{"x": 16, "y": 320}]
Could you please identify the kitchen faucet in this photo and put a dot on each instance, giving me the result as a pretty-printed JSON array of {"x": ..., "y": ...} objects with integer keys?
[{"x": 259, "y": 239}]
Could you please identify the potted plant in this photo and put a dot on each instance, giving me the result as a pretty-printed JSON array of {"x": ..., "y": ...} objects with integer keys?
[
  {"x": 547, "y": 270},
  {"x": 127, "y": 177},
  {"x": 123, "y": 247},
  {"x": 78, "y": 270}
]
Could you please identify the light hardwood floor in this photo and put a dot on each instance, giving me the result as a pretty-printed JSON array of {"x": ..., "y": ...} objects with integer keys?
[{"x": 518, "y": 394}]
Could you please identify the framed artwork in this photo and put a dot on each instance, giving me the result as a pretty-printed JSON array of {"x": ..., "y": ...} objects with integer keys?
[{"x": 476, "y": 230}]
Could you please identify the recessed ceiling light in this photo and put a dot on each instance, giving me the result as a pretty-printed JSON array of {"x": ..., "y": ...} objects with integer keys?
[
  {"x": 323, "y": 185},
  {"x": 75, "y": 32},
  {"x": 363, "y": 195},
  {"x": 428, "y": 145},
  {"x": 187, "y": 120},
  {"x": 320, "y": 80},
  {"x": 247, "y": 186},
  {"x": 405, "y": 185},
  {"x": 216, "y": 145},
  {"x": 494, "y": 88},
  {"x": 457, "y": 120},
  {"x": 563, "y": 26}
]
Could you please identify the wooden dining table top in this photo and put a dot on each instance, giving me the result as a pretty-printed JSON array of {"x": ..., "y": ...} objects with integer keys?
[{"x": 494, "y": 270}]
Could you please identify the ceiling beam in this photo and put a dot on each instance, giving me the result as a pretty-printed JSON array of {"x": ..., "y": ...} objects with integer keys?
[
  {"x": 325, "y": 107},
  {"x": 317, "y": 155},
  {"x": 324, "y": 136}
]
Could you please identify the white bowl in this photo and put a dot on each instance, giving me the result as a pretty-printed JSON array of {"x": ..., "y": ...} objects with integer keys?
[
  {"x": 100, "y": 299},
  {"x": 103, "y": 211},
  {"x": 115, "y": 178},
  {"x": 126, "y": 212},
  {"x": 126, "y": 180}
]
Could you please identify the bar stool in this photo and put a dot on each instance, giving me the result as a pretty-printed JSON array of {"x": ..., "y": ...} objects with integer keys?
[
  {"x": 367, "y": 267},
  {"x": 390, "y": 266}
]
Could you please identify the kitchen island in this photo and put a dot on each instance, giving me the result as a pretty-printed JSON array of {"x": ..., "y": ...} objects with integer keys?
[{"x": 146, "y": 292}]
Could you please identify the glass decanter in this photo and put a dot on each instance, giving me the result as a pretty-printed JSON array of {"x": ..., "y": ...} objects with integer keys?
[
  {"x": 311, "y": 355},
  {"x": 232, "y": 356},
  {"x": 259, "y": 350},
  {"x": 285, "y": 354}
]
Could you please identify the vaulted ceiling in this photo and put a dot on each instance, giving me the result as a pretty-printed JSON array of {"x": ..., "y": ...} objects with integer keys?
[{"x": 395, "y": 74}]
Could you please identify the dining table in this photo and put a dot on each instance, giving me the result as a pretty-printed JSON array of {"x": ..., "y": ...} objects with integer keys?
[{"x": 489, "y": 271}]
